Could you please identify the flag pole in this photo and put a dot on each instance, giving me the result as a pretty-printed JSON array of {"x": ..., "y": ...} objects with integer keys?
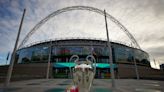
[
  {"x": 110, "y": 53},
  {"x": 10, "y": 69},
  {"x": 136, "y": 69},
  {"x": 7, "y": 58},
  {"x": 49, "y": 60}
]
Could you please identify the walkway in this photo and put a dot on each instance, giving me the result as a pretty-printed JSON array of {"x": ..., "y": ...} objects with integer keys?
[{"x": 99, "y": 85}]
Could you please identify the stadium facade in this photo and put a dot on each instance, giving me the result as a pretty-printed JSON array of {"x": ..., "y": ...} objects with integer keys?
[
  {"x": 31, "y": 62},
  {"x": 61, "y": 51}
]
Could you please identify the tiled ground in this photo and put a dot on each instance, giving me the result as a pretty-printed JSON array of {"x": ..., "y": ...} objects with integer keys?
[{"x": 99, "y": 85}]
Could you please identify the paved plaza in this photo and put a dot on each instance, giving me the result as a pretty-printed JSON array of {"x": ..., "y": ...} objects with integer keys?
[{"x": 99, "y": 85}]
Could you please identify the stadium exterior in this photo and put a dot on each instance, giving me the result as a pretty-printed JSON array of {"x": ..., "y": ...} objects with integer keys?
[
  {"x": 62, "y": 50},
  {"x": 32, "y": 61}
]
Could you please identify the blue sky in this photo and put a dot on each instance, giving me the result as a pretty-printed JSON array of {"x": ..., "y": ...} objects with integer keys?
[{"x": 143, "y": 18}]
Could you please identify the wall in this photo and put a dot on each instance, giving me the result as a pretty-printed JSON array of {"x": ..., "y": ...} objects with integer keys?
[
  {"x": 145, "y": 72},
  {"x": 26, "y": 71},
  {"x": 38, "y": 70}
]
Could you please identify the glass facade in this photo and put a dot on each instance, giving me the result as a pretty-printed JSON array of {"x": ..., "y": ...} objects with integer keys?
[
  {"x": 121, "y": 53},
  {"x": 128, "y": 55},
  {"x": 33, "y": 54},
  {"x": 62, "y": 53}
]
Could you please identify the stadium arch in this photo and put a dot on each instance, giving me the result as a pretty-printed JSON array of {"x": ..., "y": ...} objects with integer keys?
[{"x": 71, "y": 8}]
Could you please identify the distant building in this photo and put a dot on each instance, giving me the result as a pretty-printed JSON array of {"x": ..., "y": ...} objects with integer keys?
[{"x": 162, "y": 67}]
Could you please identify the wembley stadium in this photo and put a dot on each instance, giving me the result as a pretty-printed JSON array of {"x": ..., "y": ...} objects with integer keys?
[
  {"x": 32, "y": 59},
  {"x": 37, "y": 57}
]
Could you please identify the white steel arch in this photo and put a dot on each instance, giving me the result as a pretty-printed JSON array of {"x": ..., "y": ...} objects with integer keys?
[{"x": 88, "y": 8}]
